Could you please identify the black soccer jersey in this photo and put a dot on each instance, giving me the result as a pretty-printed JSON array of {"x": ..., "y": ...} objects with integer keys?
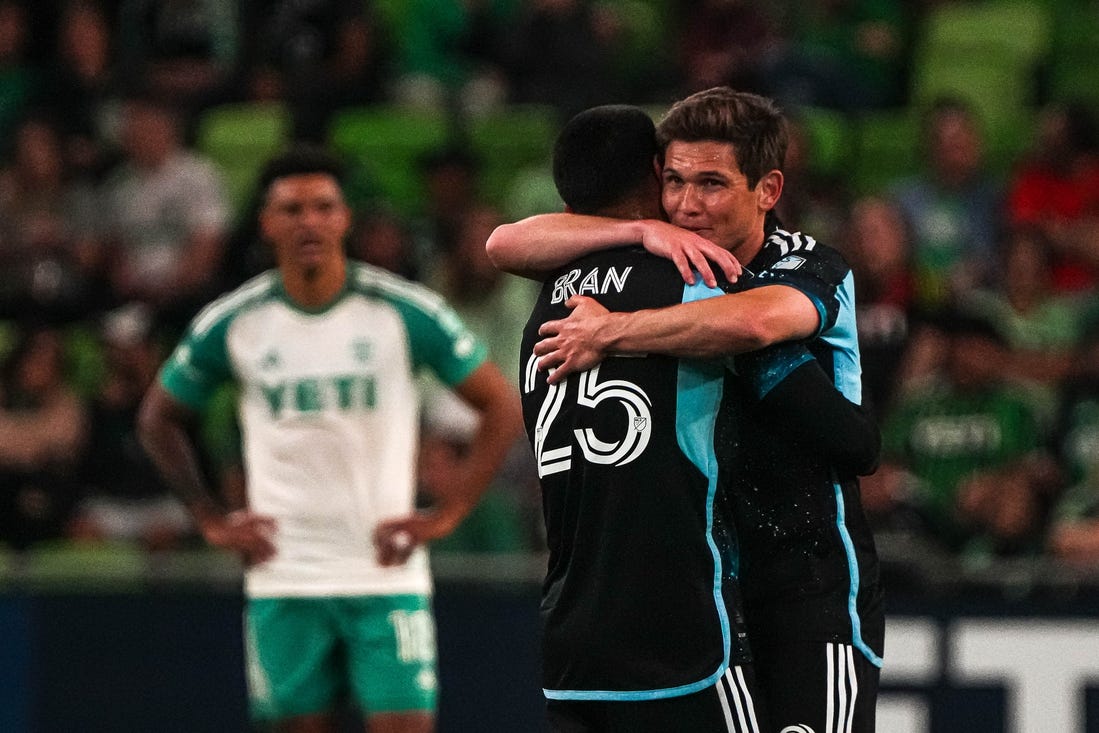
[
  {"x": 640, "y": 599},
  {"x": 809, "y": 569}
]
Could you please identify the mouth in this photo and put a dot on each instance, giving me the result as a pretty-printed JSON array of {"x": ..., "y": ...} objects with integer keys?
[{"x": 310, "y": 246}]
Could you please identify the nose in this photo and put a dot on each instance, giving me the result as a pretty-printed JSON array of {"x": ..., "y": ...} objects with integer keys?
[{"x": 685, "y": 202}]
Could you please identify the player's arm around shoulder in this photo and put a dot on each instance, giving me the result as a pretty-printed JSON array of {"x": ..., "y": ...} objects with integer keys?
[
  {"x": 535, "y": 246},
  {"x": 719, "y": 326}
]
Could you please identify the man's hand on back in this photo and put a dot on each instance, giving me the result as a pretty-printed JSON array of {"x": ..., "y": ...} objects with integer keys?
[{"x": 576, "y": 343}]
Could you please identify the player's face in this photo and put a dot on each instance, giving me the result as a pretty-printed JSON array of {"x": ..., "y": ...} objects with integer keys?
[
  {"x": 705, "y": 192},
  {"x": 305, "y": 219}
]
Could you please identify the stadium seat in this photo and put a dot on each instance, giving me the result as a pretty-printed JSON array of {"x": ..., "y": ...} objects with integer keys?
[
  {"x": 1074, "y": 51},
  {"x": 829, "y": 135},
  {"x": 508, "y": 139},
  {"x": 239, "y": 138},
  {"x": 987, "y": 52},
  {"x": 1020, "y": 28},
  {"x": 384, "y": 144},
  {"x": 1000, "y": 91},
  {"x": 886, "y": 148}
]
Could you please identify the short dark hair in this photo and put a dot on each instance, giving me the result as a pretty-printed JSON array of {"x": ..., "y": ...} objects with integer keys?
[
  {"x": 604, "y": 155},
  {"x": 754, "y": 125},
  {"x": 299, "y": 160}
]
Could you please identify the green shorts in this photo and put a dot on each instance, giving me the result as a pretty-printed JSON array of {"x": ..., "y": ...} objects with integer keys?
[{"x": 307, "y": 655}]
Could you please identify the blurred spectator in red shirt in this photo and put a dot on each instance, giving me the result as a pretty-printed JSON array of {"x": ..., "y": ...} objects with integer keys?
[{"x": 1056, "y": 189}]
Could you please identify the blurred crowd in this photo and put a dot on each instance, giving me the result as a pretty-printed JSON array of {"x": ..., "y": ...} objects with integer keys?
[{"x": 975, "y": 274}]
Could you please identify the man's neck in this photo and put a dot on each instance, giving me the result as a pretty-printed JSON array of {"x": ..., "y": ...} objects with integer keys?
[
  {"x": 747, "y": 250},
  {"x": 315, "y": 287}
]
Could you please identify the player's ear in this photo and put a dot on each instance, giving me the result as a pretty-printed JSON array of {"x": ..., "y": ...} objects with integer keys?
[{"x": 768, "y": 189}]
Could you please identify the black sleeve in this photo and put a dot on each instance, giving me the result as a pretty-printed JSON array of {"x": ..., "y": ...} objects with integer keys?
[{"x": 791, "y": 387}]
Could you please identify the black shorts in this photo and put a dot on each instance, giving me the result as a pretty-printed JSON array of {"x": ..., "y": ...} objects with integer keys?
[
  {"x": 816, "y": 686},
  {"x": 730, "y": 706}
]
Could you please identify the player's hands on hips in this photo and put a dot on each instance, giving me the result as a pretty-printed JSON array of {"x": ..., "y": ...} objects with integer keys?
[
  {"x": 572, "y": 344},
  {"x": 395, "y": 539},
  {"x": 689, "y": 252},
  {"x": 247, "y": 534}
]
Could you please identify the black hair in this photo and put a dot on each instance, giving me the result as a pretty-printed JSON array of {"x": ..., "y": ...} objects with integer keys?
[
  {"x": 302, "y": 159},
  {"x": 604, "y": 155}
]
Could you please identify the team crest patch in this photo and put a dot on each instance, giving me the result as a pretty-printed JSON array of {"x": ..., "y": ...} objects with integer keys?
[{"x": 789, "y": 262}]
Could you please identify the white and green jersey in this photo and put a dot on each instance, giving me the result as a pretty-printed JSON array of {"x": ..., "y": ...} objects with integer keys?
[{"x": 329, "y": 413}]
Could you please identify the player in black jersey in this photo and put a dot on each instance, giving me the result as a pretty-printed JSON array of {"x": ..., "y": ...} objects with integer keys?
[
  {"x": 809, "y": 568},
  {"x": 640, "y": 604}
]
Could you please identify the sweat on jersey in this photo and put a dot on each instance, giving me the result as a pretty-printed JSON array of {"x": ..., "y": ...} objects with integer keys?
[
  {"x": 809, "y": 567},
  {"x": 329, "y": 414}
]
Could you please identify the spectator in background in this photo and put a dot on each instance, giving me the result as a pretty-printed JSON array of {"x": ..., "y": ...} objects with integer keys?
[
  {"x": 43, "y": 425},
  {"x": 382, "y": 238},
  {"x": 166, "y": 216},
  {"x": 501, "y": 521},
  {"x": 20, "y": 81},
  {"x": 50, "y": 264},
  {"x": 84, "y": 89},
  {"x": 451, "y": 184},
  {"x": 1074, "y": 529},
  {"x": 1056, "y": 188},
  {"x": 966, "y": 451},
  {"x": 723, "y": 43},
  {"x": 124, "y": 498},
  {"x": 848, "y": 55},
  {"x": 562, "y": 53},
  {"x": 449, "y": 53},
  {"x": 184, "y": 50},
  {"x": 877, "y": 244},
  {"x": 953, "y": 207},
  {"x": 1042, "y": 327},
  {"x": 812, "y": 200},
  {"x": 493, "y": 304},
  {"x": 317, "y": 55}
]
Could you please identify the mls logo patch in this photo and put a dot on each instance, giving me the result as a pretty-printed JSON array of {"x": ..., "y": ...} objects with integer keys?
[{"x": 789, "y": 262}]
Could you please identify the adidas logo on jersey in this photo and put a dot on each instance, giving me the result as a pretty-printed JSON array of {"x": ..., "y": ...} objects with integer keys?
[{"x": 788, "y": 242}]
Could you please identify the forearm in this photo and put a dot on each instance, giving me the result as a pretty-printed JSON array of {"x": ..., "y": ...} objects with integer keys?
[
  {"x": 168, "y": 443},
  {"x": 538, "y": 244},
  {"x": 713, "y": 327}
]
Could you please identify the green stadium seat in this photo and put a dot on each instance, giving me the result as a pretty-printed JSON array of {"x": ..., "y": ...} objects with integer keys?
[
  {"x": 830, "y": 139},
  {"x": 989, "y": 53},
  {"x": 384, "y": 144},
  {"x": 239, "y": 138},
  {"x": 1000, "y": 91},
  {"x": 1020, "y": 28},
  {"x": 508, "y": 139},
  {"x": 886, "y": 148},
  {"x": 1075, "y": 48}
]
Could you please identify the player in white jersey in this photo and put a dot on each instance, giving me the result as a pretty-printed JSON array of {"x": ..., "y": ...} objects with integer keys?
[{"x": 324, "y": 352}]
